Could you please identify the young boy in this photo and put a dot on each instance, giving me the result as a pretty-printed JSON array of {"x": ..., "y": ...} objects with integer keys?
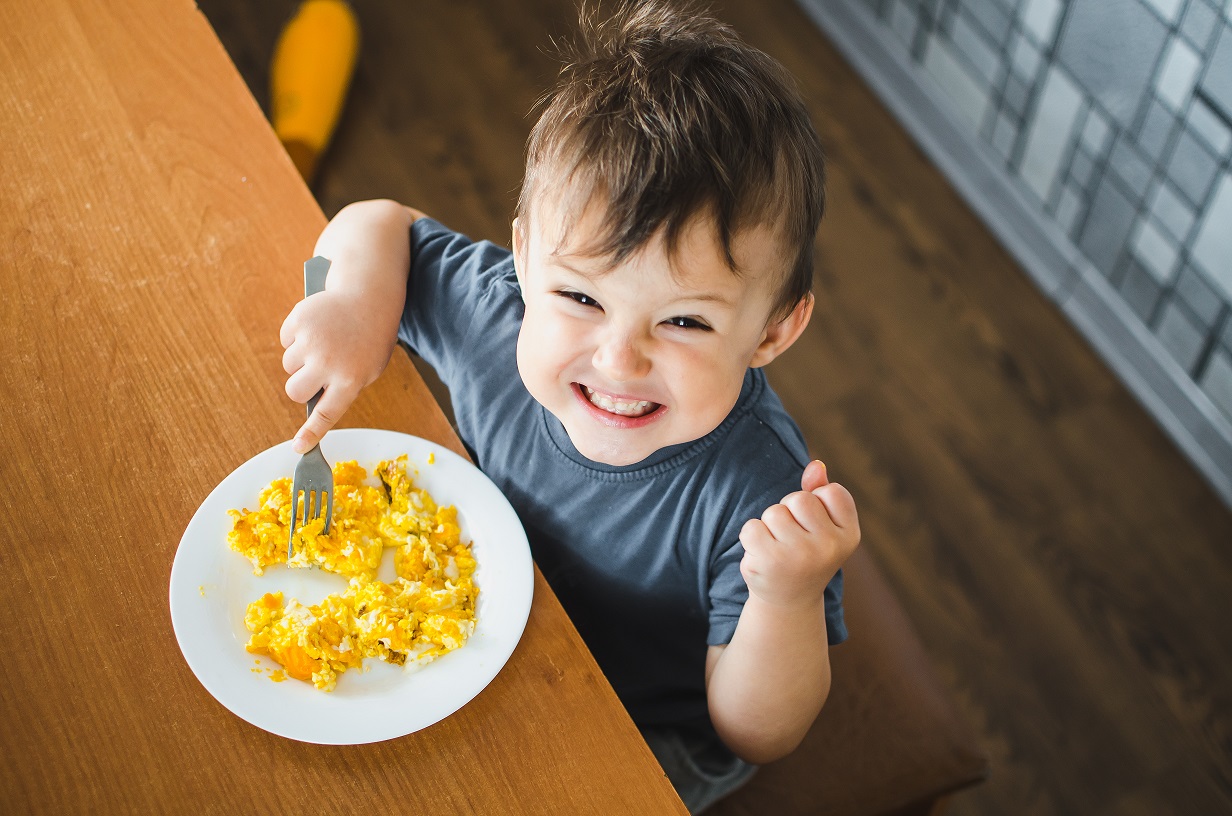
[{"x": 606, "y": 375}]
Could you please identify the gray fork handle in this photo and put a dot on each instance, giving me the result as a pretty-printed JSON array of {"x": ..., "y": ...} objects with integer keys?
[{"x": 315, "y": 271}]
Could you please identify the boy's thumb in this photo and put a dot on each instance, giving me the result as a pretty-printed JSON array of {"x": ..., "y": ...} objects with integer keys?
[
  {"x": 323, "y": 417},
  {"x": 814, "y": 476}
]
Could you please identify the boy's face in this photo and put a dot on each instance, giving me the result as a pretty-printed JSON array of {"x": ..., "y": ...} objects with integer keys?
[{"x": 642, "y": 355}]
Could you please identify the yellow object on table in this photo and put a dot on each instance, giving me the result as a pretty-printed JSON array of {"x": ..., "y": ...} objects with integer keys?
[{"x": 309, "y": 76}]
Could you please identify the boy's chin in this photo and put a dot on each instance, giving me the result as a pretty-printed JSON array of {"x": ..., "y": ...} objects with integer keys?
[
  {"x": 609, "y": 449},
  {"x": 615, "y": 455}
]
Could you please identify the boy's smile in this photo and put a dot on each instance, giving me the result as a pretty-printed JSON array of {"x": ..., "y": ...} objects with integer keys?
[
  {"x": 650, "y": 352},
  {"x": 628, "y": 413}
]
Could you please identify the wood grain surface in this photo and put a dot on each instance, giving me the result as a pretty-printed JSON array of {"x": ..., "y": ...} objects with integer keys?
[
  {"x": 152, "y": 237},
  {"x": 1067, "y": 568}
]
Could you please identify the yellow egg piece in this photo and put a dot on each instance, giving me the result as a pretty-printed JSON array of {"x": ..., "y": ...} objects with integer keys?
[{"x": 428, "y": 611}]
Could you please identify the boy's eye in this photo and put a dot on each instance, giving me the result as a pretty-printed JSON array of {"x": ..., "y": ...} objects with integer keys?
[
  {"x": 578, "y": 297},
  {"x": 687, "y": 323}
]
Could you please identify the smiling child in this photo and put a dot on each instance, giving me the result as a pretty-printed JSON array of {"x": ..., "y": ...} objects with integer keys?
[{"x": 607, "y": 375}]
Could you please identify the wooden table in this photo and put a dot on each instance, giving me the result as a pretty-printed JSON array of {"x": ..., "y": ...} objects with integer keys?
[{"x": 152, "y": 233}]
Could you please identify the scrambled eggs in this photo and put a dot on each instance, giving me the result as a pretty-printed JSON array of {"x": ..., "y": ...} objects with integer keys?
[{"x": 427, "y": 611}]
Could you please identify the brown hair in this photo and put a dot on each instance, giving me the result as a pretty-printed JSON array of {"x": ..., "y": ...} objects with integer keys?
[{"x": 662, "y": 114}]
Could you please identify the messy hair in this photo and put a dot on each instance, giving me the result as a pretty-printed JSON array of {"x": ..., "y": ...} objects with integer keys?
[{"x": 662, "y": 114}]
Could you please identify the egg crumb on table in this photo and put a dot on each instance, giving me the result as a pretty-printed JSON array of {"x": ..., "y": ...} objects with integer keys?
[{"x": 427, "y": 611}]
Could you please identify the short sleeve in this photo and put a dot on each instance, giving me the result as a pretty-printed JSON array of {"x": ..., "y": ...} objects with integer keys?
[
  {"x": 450, "y": 278},
  {"x": 836, "y": 623},
  {"x": 728, "y": 592}
]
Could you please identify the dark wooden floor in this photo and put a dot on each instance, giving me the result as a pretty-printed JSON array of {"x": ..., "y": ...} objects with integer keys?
[{"x": 1068, "y": 570}]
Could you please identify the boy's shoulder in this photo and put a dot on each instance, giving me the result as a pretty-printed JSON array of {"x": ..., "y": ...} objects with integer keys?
[
  {"x": 758, "y": 459},
  {"x": 764, "y": 435},
  {"x": 433, "y": 243},
  {"x": 463, "y": 302},
  {"x": 454, "y": 276}
]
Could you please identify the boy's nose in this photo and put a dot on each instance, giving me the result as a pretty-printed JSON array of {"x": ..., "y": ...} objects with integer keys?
[{"x": 620, "y": 357}]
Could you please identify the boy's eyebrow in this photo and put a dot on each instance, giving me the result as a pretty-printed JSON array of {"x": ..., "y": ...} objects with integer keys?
[
  {"x": 558, "y": 260},
  {"x": 708, "y": 297}
]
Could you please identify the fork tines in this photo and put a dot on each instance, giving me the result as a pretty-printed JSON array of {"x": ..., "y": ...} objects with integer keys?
[{"x": 310, "y": 494}]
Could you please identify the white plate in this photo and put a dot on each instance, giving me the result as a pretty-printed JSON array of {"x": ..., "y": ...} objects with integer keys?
[{"x": 211, "y": 587}]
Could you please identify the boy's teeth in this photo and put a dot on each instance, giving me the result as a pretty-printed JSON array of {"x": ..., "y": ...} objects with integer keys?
[{"x": 629, "y": 408}]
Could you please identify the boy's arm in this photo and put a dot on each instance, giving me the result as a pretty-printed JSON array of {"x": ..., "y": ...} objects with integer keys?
[
  {"x": 767, "y": 685},
  {"x": 340, "y": 340}
]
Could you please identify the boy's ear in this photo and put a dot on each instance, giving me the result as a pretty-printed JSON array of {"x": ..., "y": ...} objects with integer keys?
[
  {"x": 517, "y": 254},
  {"x": 781, "y": 334},
  {"x": 517, "y": 244}
]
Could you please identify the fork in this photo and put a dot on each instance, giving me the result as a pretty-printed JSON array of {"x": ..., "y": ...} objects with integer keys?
[{"x": 313, "y": 476}]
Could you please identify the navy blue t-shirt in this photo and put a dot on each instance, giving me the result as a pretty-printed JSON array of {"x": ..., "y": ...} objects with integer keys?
[{"x": 645, "y": 558}]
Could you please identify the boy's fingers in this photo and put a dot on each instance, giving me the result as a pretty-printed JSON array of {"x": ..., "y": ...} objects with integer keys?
[
  {"x": 305, "y": 439},
  {"x": 292, "y": 359},
  {"x": 780, "y": 522},
  {"x": 286, "y": 334},
  {"x": 328, "y": 411},
  {"x": 840, "y": 505},
  {"x": 814, "y": 476},
  {"x": 754, "y": 535},
  {"x": 808, "y": 511},
  {"x": 303, "y": 384}
]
